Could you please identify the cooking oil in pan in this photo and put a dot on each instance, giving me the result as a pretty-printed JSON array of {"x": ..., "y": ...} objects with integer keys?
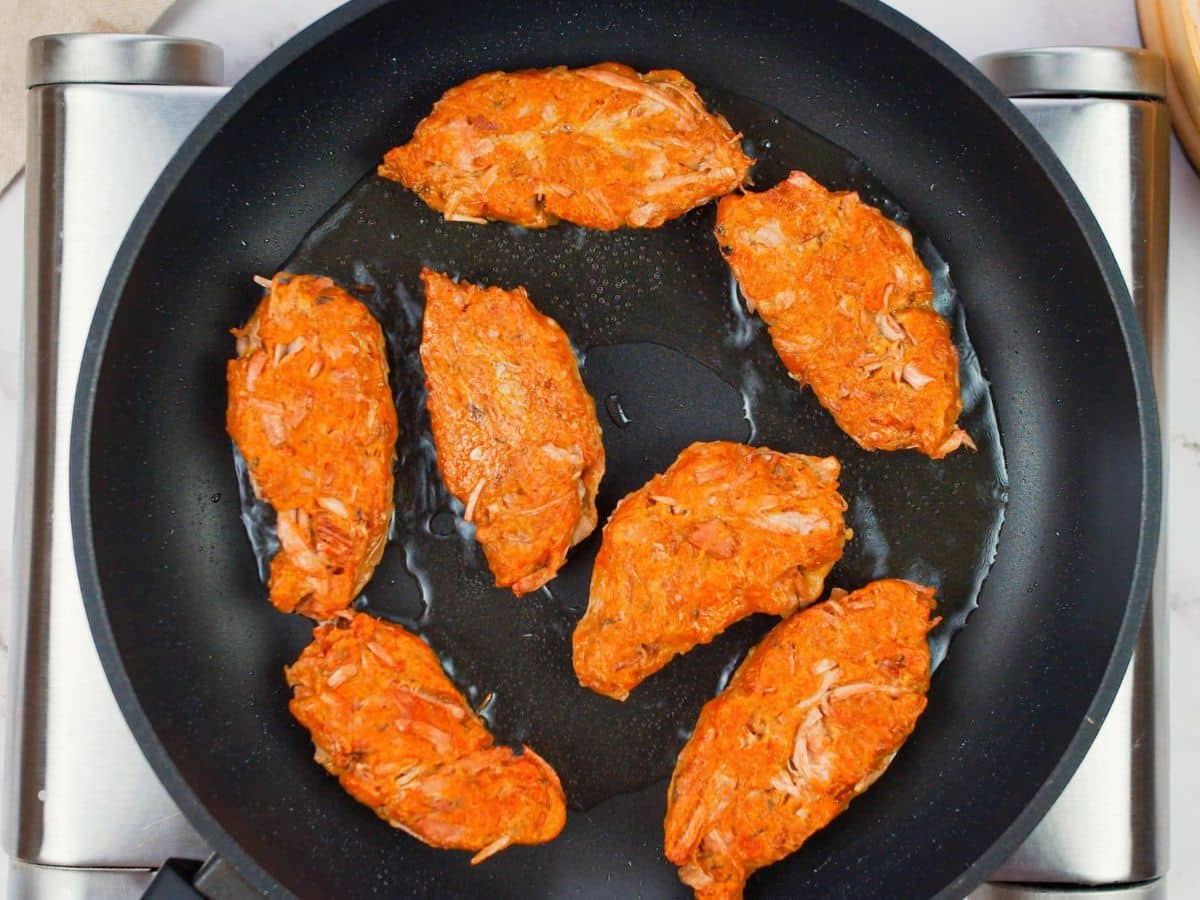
[
  {"x": 258, "y": 518},
  {"x": 671, "y": 356}
]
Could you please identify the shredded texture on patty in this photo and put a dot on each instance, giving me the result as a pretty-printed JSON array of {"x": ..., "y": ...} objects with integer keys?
[
  {"x": 312, "y": 414},
  {"x": 401, "y": 739},
  {"x": 808, "y": 722},
  {"x": 728, "y": 530},
  {"x": 601, "y": 146},
  {"x": 516, "y": 432},
  {"x": 850, "y": 310}
]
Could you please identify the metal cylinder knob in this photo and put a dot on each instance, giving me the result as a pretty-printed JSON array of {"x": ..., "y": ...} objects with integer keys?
[
  {"x": 1077, "y": 71},
  {"x": 122, "y": 59}
]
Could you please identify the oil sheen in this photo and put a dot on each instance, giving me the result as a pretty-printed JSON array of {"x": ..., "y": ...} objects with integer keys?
[{"x": 671, "y": 356}]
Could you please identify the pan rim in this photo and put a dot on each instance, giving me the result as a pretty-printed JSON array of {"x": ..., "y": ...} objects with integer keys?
[{"x": 228, "y": 106}]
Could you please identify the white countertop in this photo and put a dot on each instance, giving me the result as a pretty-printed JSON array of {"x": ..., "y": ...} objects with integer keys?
[{"x": 249, "y": 30}]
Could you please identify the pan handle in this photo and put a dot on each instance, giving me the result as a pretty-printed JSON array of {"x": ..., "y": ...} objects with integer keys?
[
  {"x": 188, "y": 879},
  {"x": 173, "y": 881}
]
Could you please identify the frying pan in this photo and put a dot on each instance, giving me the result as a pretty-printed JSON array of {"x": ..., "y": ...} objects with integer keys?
[{"x": 194, "y": 651}]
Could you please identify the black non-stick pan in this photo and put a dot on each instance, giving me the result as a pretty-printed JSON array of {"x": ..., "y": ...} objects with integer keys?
[{"x": 280, "y": 173}]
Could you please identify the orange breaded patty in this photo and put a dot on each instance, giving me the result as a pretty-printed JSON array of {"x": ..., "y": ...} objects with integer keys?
[
  {"x": 849, "y": 307},
  {"x": 600, "y": 146},
  {"x": 728, "y": 530},
  {"x": 312, "y": 414},
  {"x": 516, "y": 432},
  {"x": 400, "y": 738},
  {"x": 811, "y": 718}
]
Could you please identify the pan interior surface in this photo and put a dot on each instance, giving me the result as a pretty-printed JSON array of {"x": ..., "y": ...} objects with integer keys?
[
  {"x": 671, "y": 356},
  {"x": 194, "y": 650}
]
